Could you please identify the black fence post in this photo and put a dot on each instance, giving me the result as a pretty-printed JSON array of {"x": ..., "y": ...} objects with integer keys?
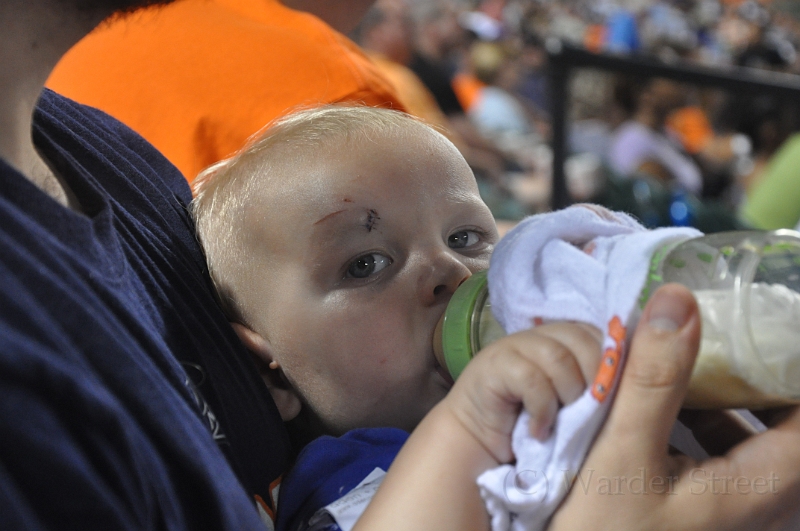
[{"x": 559, "y": 102}]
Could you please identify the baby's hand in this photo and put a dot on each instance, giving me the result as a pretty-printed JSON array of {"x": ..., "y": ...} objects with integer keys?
[
  {"x": 539, "y": 369},
  {"x": 470, "y": 430}
]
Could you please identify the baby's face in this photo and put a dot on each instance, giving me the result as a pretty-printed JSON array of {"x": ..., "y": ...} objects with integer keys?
[{"x": 357, "y": 268}]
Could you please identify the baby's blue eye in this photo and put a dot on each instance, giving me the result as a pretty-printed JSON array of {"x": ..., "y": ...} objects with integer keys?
[
  {"x": 462, "y": 239},
  {"x": 367, "y": 265}
]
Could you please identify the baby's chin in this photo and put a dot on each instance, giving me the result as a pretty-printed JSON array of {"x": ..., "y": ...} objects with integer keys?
[
  {"x": 418, "y": 410},
  {"x": 440, "y": 386},
  {"x": 411, "y": 413}
]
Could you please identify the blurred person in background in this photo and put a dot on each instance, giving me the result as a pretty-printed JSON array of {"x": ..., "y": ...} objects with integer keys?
[
  {"x": 533, "y": 82},
  {"x": 496, "y": 112},
  {"x": 385, "y": 36},
  {"x": 767, "y": 122},
  {"x": 437, "y": 40},
  {"x": 492, "y": 76},
  {"x": 437, "y": 34},
  {"x": 722, "y": 152},
  {"x": 641, "y": 144},
  {"x": 436, "y": 37}
]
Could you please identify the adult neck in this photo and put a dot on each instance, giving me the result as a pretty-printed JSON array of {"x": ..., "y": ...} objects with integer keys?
[{"x": 34, "y": 35}]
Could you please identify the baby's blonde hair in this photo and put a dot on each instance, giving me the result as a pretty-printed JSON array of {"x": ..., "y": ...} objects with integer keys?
[{"x": 222, "y": 190}]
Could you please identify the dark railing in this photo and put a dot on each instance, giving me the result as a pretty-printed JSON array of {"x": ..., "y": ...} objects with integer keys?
[{"x": 564, "y": 58}]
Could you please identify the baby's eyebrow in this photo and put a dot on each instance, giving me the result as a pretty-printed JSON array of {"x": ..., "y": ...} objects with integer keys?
[
  {"x": 368, "y": 219},
  {"x": 341, "y": 231}
]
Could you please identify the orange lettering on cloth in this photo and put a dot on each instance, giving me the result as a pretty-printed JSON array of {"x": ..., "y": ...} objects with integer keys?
[{"x": 609, "y": 365}]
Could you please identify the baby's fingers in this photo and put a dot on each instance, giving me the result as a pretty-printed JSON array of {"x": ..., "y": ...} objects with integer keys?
[
  {"x": 528, "y": 369},
  {"x": 583, "y": 341},
  {"x": 540, "y": 398},
  {"x": 541, "y": 356},
  {"x": 542, "y": 407}
]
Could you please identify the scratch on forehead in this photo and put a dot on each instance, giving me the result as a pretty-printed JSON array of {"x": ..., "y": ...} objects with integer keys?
[
  {"x": 327, "y": 217},
  {"x": 369, "y": 219}
]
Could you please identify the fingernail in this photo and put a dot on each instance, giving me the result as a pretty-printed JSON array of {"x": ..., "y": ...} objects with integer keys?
[
  {"x": 541, "y": 428},
  {"x": 669, "y": 311},
  {"x": 542, "y": 431}
]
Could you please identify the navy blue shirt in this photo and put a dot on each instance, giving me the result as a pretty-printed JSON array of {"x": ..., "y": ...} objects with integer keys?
[{"x": 126, "y": 400}]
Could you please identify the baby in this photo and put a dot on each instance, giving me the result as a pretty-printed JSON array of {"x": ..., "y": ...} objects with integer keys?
[{"x": 336, "y": 240}]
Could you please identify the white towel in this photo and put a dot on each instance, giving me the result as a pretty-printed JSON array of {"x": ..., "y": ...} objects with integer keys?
[{"x": 586, "y": 264}]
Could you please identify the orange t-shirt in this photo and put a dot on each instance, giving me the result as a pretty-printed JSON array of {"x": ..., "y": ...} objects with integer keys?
[
  {"x": 692, "y": 127},
  {"x": 595, "y": 38},
  {"x": 468, "y": 89},
  {"x": 197, "y": 78}
]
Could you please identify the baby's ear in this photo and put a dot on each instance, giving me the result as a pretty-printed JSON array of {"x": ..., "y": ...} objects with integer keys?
[{"x": 283, "y": 394}]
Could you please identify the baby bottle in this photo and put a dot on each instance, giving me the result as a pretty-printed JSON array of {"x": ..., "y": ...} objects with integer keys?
[{"x": 747, "y": 284}]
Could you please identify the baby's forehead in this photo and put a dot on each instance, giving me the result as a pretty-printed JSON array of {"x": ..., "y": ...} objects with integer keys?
[
  {"x": 314, "y": 175},
  {"x": 415, "y": 140}
]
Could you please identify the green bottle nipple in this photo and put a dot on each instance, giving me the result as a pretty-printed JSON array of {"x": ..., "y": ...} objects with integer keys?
[{"x": 466, "y": 326}]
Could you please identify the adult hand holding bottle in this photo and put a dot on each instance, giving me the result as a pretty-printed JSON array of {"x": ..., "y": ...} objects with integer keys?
[{"x": 630, "y": 482}]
